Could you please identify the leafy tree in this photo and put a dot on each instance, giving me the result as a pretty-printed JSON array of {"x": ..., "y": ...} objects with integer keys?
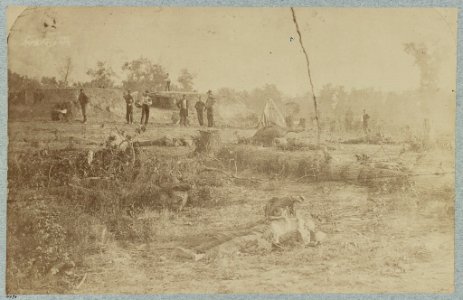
[
  {"x": 259, "y": 96},
  {"x": 427, "y": 63},
  {"x": 18, "y": 82},
  {"x": 332, "y": 100},
  {"x": 292, "y": 108},
  {"x": 101, "y": 76},
  {"x": 230, "y": 95},
  {"x": 186, "y": 80},
  {"x": 18, "y": 85},
  {"x": 142, "y": 74},
  {"x": 49, "y": 82},
  {"x": 80, "y": 84}
]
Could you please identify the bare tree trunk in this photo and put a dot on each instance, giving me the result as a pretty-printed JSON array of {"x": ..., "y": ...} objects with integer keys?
[
  {"x": 66, "y": 70},
  {"x": 310, "y": 76}
]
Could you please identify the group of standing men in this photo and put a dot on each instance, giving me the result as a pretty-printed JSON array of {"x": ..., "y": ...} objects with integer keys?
[
  {"x": 146, "y": 103},
  {"x": 200, "y": 107},
  {"x": 145, "y": 107},
  {"x": 182, "y": 104}
]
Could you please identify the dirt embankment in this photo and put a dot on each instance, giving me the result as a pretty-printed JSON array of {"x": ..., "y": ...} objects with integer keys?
[
  {"x": 108, "y": 104},
  {"x": 37, "y": 105}
]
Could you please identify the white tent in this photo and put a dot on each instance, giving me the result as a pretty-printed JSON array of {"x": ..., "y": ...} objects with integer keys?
[{"x": 271, "y": 116}]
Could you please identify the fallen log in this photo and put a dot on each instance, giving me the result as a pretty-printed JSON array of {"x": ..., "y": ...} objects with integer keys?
[
  {"x": 309, "y": 166},
  {"x": 207, "y": 169}
]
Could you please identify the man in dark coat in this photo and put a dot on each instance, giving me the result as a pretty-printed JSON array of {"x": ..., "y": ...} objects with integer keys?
[
  {"x": 210, "y": 109},
  {"x": 365, "y": 120},
  {"x": 129, "y": 107},
  {"x": 348, "y": 120},
  {"x": 168, "y": 83},
  {"x": 83, "y": 100},
  {"x": 183, "y": 105},
  {"x": 145, "y": 107},
  {"x": 200, "y": 107}
]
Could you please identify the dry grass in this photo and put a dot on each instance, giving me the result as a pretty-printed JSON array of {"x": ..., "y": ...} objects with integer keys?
[{"x": 378, "y": 241}]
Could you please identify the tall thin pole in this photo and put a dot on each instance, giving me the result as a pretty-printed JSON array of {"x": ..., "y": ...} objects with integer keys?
[{"x": 308, "y": 72}]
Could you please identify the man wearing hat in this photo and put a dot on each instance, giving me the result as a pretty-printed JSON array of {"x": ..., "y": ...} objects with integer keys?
[
  {"x": 183, "y": 106},
  {"x": 200, "y": 107},
  {"x": 145, "y": 107},
  {"x": 365, "y": 119},
  {"x": 210, "y": 109},
  {"x": 129, "y": 107},
  {"x": 168, "y": 83},
  {"x": 83, "y": 100}
]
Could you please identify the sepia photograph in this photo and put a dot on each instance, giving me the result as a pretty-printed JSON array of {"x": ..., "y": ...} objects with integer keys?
[{"x": 230, "y": 150}]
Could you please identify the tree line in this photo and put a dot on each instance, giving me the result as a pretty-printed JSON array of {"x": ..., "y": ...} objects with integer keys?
[
  {"x": 334, "y": 101},
  {"x": 140, "y": 74}
]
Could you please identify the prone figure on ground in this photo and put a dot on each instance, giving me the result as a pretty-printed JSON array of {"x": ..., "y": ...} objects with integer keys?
[
  {"x": 277, "y": 208},
  {"x": 282, "y": 218}
]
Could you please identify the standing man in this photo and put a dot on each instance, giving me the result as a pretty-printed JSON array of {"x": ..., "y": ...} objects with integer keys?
[
  {"x": 348, "y": 120},
  {"x": 83, "y": 100},
  {"x": 210, "y": 109},
  {"x": 302, "y": 123},
  {"x": 145, "y": 107},
  {"x": 183, "y": 105},
  {"x": 333, "y": 125},
  {"x": 129, "y": 107},
  {"x": 365, "y": 118},
  {"x": 200, "y": 107},
  {"x": 168, "y": 83}
]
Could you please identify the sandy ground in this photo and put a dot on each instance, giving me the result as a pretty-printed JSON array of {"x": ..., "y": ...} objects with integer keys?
[
  {"x": 394, "y": 243},
  {"x": 366, "y": 252}
]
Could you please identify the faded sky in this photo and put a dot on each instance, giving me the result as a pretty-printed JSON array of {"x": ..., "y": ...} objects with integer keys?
[{"x": 241, "y": 48}]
